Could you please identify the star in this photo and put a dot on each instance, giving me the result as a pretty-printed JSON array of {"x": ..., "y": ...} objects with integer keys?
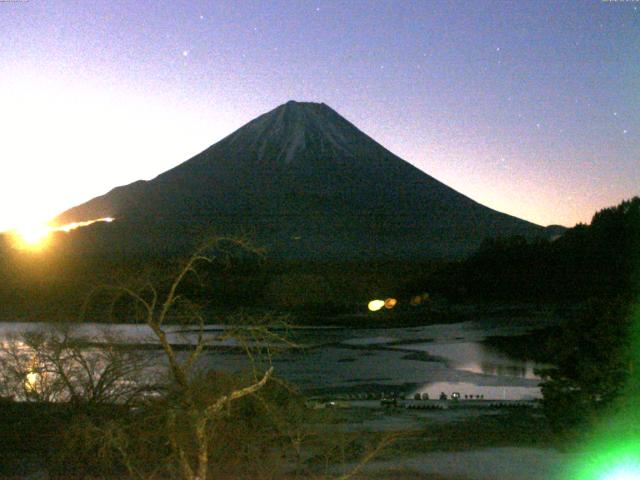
[
  {"x": 201, "y": 17},
  {"x": 185, "y": 53},
  {"x": 624, "y": 132}
]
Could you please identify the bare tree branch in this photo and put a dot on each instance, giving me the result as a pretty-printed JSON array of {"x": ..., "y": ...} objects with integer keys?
[{"x": 216, "y": 407}]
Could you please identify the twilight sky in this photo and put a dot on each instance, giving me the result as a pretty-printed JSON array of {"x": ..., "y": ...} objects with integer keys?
[{"x": 529, "y": 107}]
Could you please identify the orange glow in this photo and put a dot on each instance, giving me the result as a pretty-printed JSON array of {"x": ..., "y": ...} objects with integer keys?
[
  {"x": 389, "y": 303},
  {"x": 34, "y": 236},
  {"x": 72, "y": 226},
  {"x": 418, "y": 299}
]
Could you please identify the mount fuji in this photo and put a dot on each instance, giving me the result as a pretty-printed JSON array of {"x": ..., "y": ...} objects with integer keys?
[{"x": 307, "y": 185}]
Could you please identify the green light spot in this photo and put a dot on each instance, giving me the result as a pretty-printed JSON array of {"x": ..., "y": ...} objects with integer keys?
[
  {"x": 617, "y": 462},
  {"x": 630, "y": 471}
]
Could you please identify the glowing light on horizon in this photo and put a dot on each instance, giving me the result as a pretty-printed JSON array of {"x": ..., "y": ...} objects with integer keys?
[
  {"x": 72, "y": 226},
  {"x": 375, "y": 305},
  {"x": 70, "y": 115},
  {"x": 34, "y": 235}
]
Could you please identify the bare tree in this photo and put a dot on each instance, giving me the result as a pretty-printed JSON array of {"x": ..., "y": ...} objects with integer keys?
[
  {"x": 191, "y": 438},
  {"x": 55, "y": 365},
  {"x": 182, "y": 431}
]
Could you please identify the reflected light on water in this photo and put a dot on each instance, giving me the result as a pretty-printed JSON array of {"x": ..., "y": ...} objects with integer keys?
[
  {"x": 474, "y": 357},
  {"x": 31, "y": 381},
  {"x": 524, "y": 370}
]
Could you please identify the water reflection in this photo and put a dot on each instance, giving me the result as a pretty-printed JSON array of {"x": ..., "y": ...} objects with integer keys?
[
  {"x": 476, "y": 358},
  {"x": 340, "y": 357},
  {"x": 56, "y": 366},
  {"x": 523, "y": 371}
]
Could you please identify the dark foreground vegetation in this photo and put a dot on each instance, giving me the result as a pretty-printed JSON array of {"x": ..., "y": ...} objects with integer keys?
[
  {"x": 74, "y": 409},
  {"x": 269, "y": 435}
]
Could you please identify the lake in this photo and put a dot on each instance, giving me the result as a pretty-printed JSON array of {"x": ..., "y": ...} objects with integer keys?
[{"x": 428, "y": 360}]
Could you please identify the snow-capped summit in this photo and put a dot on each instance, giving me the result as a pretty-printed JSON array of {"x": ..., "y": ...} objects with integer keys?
[
  {"x": 310, "y": 185},
  {"x": 295, "y": 127}
]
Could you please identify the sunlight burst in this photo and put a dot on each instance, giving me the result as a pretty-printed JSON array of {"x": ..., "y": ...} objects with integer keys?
[{"x": 34, "y": 235}]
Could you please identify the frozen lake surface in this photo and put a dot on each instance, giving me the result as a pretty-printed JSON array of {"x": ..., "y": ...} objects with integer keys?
[
  {"x": 428, "y": 359},
  {"x": 509, "y": 463}
]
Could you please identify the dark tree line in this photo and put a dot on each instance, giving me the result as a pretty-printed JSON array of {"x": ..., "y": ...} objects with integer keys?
[
  {"x": 596, "y": 260},
  {"x": 593, "y": 364}
]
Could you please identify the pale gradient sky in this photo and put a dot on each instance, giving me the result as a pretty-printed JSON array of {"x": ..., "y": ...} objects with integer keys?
[{"x": 531, "y": 108}]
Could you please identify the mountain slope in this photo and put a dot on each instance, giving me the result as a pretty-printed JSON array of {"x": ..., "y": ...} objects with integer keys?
[{"x": 310, "y": 185}]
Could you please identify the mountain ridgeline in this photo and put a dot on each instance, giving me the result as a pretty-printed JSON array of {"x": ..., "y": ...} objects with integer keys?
[{"x": 306, "y": 184}]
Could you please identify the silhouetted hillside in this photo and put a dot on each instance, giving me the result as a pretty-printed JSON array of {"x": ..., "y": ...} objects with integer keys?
[{"x": 308, "y": 185}]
